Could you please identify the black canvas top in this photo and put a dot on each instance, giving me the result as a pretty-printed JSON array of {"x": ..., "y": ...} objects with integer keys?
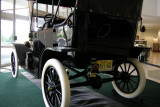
[{"x": 120, "y": 8}]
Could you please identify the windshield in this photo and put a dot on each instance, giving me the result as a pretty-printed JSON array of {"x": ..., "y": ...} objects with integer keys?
[{"x": 42, "y": 13}]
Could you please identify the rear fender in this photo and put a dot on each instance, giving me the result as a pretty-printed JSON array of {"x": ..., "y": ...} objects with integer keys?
[{"x": 135, "y": 52}]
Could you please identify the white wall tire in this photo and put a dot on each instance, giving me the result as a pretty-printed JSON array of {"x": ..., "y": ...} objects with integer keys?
[
  {"x": 14, "y": 63},
  {"x": 49, "y": 88},
  {"x": 137, "y": 78}
]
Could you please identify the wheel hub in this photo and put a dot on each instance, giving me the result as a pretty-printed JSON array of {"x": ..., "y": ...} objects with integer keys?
[
  {"x": 125, "y": 76},
  {"x": 52, "y": 87}
]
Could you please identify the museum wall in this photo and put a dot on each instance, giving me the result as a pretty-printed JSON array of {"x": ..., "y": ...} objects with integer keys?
[
  {"x": 150, "y": 7},
  {"x": 158, "y": 8}
]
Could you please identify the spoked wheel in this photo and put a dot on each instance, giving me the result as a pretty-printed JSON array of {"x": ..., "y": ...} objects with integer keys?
[
  {"x": 14, "y": 64},
  {"x": 55, "y": 84},
  {"x": 132, "y": 79}
]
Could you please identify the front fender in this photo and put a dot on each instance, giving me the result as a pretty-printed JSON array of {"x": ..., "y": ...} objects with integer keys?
[
  {"x": 21, "y": 50},
  {"x": 47, "y": 54}
]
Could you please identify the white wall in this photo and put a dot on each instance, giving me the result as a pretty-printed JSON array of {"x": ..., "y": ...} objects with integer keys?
[
  {"x": 150, "y": 7},
  {"x": 158, "y": 9}
]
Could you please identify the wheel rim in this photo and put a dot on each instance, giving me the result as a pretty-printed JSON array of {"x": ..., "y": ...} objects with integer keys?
[
  {"x": 13, "y": 62},
  {"x": 129, "y": 77},
  {"x": 52, "y": 87}
]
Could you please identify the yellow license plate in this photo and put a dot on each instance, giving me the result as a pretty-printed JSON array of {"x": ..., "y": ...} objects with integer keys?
[{"x": 104, "y": 65}]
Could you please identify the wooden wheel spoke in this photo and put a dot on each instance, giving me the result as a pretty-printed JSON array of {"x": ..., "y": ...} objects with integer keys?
[
  {"x": 50, "y": 74},
  {"x": 130, "y": 85},
  {"x": 121, "y": 68},
  {"x": 55, "y": 76},
  {"x": 50, "y": 96},
  {"x": 127, "y": 87},
  {"x": 49, "y": 78},
  {"x": 132, "y": 71},
  {"x": 129, "y": 67},
  {"x": 119, "y": 83},
  {"x": 48, "y": 83},
  {"x": 53, "y": 100},
  {"x": 58, "y": 92},
  {"x": 57, "y": 82},
  {"x": 58, "y": 99},
  {"x": 133, "y": 81},
  {"x": 124, "y": 85},
  {"x": 125, "y": 66}
]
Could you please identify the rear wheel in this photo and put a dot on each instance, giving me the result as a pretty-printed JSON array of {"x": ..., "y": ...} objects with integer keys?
[
  {"x": 14, "y": 64},
  {"x": 132, "y": 79},
  {"x": 55, "y": 84}
]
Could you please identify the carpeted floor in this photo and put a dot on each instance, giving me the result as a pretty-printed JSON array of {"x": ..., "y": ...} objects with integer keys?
[
  {"x": 154, "y": 74},
  {"x": 19, "y": 92},
  {"x": 149, "y": 98}
]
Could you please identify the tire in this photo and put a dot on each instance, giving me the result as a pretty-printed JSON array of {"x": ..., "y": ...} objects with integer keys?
[
  {"x": 55, "y": 84},
  {"x": 132, "y": 79},
  {"x": 14, "y": 64}
]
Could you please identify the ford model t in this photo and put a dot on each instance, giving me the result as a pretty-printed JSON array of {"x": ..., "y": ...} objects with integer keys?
[{"x": 96, "y": 37}]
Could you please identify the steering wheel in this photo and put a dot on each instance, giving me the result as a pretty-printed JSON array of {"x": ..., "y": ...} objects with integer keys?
[{"x": 47, "y": 17}]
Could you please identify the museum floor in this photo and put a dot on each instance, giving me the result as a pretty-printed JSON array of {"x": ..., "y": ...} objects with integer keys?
[
  {"x": 154, "y": 58},
  {"x": 153, "y": 72},
  {"x": 20, "y": 89}
]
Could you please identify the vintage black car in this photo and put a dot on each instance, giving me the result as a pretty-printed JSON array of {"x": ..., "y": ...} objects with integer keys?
[{"x": 96, "y": 37}]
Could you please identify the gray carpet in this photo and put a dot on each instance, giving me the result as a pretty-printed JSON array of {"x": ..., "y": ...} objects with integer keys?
[
  {"x": 82, "y": 96},
  {"x": 154, "y": 74}
]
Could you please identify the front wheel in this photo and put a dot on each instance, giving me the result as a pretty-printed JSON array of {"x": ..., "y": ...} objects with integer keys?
[
  {"x": 14, "y": 64},
  {"x": 131, "y": 80},
  {"x": 55, "y": 84}
]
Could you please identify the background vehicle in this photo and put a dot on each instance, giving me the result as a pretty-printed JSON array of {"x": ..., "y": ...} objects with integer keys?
[{"x": 97, "y": 37}]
